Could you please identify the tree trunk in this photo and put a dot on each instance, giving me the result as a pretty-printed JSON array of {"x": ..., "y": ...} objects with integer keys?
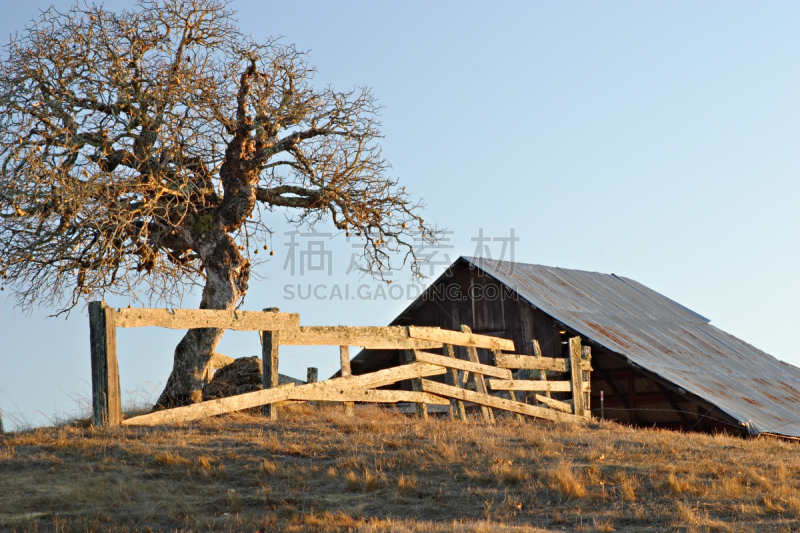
[{"x": 227, "y": 273}]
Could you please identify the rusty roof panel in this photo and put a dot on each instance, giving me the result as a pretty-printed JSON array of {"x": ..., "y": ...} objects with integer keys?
[
  {"x": 664, "y": 338},
  {"x": 674, "y": 307}
]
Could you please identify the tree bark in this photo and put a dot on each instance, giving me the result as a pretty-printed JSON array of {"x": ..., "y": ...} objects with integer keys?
[{"x": 227, "y": 274}]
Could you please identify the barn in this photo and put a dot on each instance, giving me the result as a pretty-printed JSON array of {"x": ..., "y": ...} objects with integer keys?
[{"x": 655, "y": 362}]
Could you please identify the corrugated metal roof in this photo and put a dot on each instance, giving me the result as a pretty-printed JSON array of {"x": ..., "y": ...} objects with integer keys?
[{"x": 665, "y": 338}]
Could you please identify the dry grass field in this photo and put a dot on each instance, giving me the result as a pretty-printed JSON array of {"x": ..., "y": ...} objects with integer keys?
[{"x": 315, "y": 470}]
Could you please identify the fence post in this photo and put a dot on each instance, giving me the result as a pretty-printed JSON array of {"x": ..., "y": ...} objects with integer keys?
[
  {"x": 480, "y": 384},
  {"x": 576, "y": 374},
  {"x": 451, "y": 378},
  {"x": 511, "y": 393},
  {"x": 586, "y": 384},
  {"x": 311, "y": 377},
  {"x": 270, "y": 342},
  {"x": 416, "y": 385},
  {"x": 537, "y": 350},
  {"x": 106, "y": 401},
  {"x": 602, "y": 407},
  {"x": 344, "y": 355}
]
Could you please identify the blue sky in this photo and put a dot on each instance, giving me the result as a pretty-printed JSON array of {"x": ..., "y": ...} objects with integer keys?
[{"x": 654, "y": 140}]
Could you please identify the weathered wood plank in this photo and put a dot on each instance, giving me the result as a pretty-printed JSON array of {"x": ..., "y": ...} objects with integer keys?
[
  {"x": 112, "y": 368},
  {"x": 498, "y": 403},
  {"x": 270, "y": 343},
  {"x": 529, "y": 362},
  {"x": 332, "y": 394},
  {"x": 576, "y": 375},
  {"x": 373, "y": 337},
  {"x": 537, "y": 349},
  {"x": 283, "y": 393},
  {"x": 344, "y": 356},
  {"x": 460, "y": 364},
  {"x": 554, "y": 404},
  {"x": 106, "y": 397},
  {"x": 530, "y": 385},
  {"x": 383, "y": 377},
  {"x": 207, "y": 318},
  {"x": 460, "y": 338},
  {"x": 219, "y": 406},
  {"x": 586, "y": 359},
  {"x": 416, "y": 385},
  {"x": 457, "y": 407},
  {"x": 480, "y": 384}
]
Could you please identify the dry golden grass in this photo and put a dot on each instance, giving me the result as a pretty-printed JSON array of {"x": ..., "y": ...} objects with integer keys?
[
  {"x": 407, "y": 484},
  {"x": 315, "y": 470},
  {"x": 169, "y": 458},
  {"x": 565, "y": 480}
]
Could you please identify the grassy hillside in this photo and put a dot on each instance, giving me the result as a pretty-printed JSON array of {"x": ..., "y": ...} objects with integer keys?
[{"x": 315, "y": 470}]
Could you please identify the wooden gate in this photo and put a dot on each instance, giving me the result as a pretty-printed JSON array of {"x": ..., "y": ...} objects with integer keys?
[{"x": 465, "y": 380}]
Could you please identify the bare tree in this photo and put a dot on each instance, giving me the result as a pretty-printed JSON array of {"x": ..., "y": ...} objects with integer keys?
[{"x": 144, "y": 148}]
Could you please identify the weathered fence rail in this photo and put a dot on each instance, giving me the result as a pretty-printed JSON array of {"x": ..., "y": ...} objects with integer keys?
[
  {"x": 465, "y": 382},
  {"x": 207, "y": 318},
  {"x": 337, "y": 389}
]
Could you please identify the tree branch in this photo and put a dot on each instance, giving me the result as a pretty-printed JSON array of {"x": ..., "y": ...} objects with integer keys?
[{"x": 302, "y": 197}]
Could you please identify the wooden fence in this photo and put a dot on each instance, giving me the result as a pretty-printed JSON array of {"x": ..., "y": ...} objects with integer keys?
[{"x": 465, "y": 380}]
